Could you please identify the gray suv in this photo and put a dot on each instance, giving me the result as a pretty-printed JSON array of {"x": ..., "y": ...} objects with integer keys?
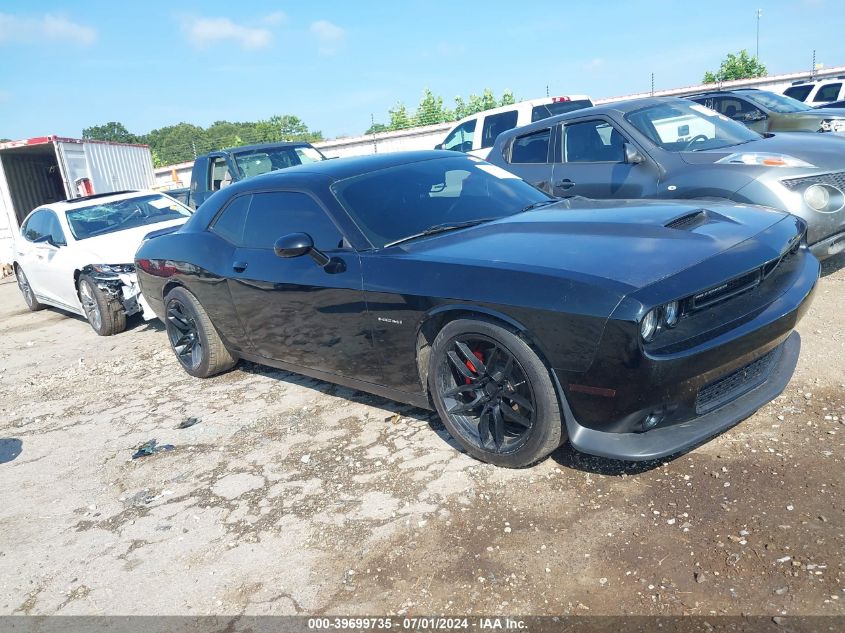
[{"x": 674, "y": 148}]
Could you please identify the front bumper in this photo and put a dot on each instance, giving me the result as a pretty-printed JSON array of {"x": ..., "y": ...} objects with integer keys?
[
  {"x": 697, "y": 387},
  {"x": 830, "y": 246},
  {"x": 669, "y": 440},
  {"x": 124, "y": 288}
]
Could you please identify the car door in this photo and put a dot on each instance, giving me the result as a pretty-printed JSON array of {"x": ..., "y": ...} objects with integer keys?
[
  {"x": 531, "y": 157},
  {"x": 29, "y": 255},
  {"x": 56, "y": 264},
  {"x": 590, "y": 161},
  {"x": 294, "y": 309}
]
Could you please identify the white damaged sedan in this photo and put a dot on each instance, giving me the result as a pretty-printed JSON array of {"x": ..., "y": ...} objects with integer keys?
[{"x": 77, "y": 255}]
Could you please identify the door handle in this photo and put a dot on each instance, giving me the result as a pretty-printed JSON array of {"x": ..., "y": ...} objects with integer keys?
[
  {"x": 565, "y": 184},
  {"x": 239, "y": 267}
]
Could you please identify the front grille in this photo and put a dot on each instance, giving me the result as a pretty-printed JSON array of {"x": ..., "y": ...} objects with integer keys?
[
  {"x": 837, "y": 179},
  {"x": 735, "y": 384}
]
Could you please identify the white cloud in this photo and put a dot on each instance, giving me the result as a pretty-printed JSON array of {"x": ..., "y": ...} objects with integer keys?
[
  {"x": 33, "y": 30},
  {"x": 277, "y": 17},
  {"x": 328, "y": 35},
  {"x": 203, "y": 32}
]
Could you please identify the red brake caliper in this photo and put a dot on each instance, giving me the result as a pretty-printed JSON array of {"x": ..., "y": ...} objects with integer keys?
[{"x": 471, "y": 367}]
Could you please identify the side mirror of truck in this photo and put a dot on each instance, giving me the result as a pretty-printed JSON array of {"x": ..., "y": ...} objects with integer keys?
[{"x": 632, "y": 155}]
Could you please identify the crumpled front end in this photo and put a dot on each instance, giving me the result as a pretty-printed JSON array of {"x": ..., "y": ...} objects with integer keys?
[{"x": 120, "y": 283}]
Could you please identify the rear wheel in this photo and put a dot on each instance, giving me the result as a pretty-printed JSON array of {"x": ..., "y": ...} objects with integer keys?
[
  {"x": 26, "y": 290},
  {"x": 192, "y": 336},
  {"x": 105, "y": 314},
  {"x": 494, "y": 394}
]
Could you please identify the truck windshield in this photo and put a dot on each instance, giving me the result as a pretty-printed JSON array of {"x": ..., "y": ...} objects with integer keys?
[
  {"x": 260, "y": 161},
  {"x": 118, "y": 215},
  {"x": 680, "y": 127}
]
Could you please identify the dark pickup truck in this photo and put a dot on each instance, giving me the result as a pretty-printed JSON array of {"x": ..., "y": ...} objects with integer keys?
[{"x": 215, "y": 170}]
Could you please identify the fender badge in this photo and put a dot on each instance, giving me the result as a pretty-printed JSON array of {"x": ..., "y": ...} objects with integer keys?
[
  {"x": 672, "y": 187},
  {"x": 386, "y": 320}
]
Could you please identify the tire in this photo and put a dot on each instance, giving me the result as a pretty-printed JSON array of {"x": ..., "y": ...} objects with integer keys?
[
  {"x": 26, "y": 290},
  {"x": 104, "y": 313},
  {"x": 504, "y": 409},
  {"x": 193, "y": 337}
]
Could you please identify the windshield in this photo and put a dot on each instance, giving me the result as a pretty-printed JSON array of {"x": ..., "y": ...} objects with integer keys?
[
  {"x": 679, "y": 127},
  {"x": 775, "y": 102},
  {"x": 129, "y": 213},
  {"x": 403, "y": 201},
  {"x": 260, "y": 161}
]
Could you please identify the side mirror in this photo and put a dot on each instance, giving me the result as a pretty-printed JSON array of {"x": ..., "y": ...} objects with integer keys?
[
  {"x": 632, "y": 155},
  {"x": 438, "y": 146},
  {"x": 297, "y": 245},
  {"x": 46, "y": 239}
]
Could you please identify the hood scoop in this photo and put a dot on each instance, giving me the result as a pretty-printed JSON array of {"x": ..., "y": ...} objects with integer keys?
[{"x": 689, "y": 221}]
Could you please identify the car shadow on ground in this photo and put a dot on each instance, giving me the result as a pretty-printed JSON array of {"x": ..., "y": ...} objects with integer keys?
[
  {"x": 565, "y": 455},
  {"x": 833, "y": 264}
]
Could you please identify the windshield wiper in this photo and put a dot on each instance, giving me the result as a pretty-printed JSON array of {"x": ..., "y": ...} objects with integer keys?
[
  {"x": 440, "y": 228},
  {"x": 538, "y": 204}
]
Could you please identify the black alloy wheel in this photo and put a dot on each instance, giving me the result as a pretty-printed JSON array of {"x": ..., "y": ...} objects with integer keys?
[
  {"x": 494, "y": 393},
  {"x": 184, "y": 335}
]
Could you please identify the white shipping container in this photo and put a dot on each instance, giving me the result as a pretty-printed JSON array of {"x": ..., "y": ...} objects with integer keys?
[{"x": 51, "y": 168}]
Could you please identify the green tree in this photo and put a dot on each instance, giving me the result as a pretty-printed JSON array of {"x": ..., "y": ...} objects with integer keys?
[
  {"x": 741, "y": 66},
  {"x": 431, "y": 110},
  {"x": 399, "y": 118},
  {"x": 507, "y": 98},
  {"x": 111, "y": 131},
  {"x": 375, "y": 128}
]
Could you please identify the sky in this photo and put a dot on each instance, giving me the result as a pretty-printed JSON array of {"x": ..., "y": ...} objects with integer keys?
[{"x": 335, "y": 64}]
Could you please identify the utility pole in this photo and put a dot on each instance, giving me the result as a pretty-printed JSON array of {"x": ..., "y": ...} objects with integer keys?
[
  {"x": 652, "y": 84},
  {"x": 759, "y": 15}
]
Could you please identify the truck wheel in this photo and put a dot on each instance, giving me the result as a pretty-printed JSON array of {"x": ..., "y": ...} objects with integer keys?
[
  {"x": 193, "y": 337},
  {"x": 26, "y": 290},
  {"x": 105, "y": 314}
]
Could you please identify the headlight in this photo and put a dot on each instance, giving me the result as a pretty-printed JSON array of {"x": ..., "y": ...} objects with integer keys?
[
  {"x": 832, "y": 125},
  {"x": 649, "y": 325},
  {"x": 115, "y": 269},
  {"x": 671, "y": 314},
  {"x": 766, "y": 159},
  {"x": 824, "y": 198}
]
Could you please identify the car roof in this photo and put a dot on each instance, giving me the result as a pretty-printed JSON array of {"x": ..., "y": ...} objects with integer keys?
[
  {"x": 99, "y": 198},
  {"x": 260, "y": 146},
  {"x": 341, "y": 168},
  {"x": 526, "y": 103}
]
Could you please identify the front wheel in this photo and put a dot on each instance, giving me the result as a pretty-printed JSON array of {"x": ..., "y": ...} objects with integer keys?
[
  {"x": 494, "y": 393},
  {"x": 192, "y": 335},
  {"x": 105, "y": 314}
]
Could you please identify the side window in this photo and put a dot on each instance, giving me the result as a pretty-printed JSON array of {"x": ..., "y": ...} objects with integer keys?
[
  {"x": 218, "y": 173},
  {"x": 36, "y": 226},
  {"x": 592, "y": 142},
  {"x": 230, "y": 223},
  {"x": 54, "y": 229},
  {"x": 272, "y": 215},
  {"x": 828, "y": 92},
  {"x": 799, "y": 92},
  {"x": 531, "y": 148},
  {"x": 460, "y": 139},
  {"x": 736, "y": 109},
  {"x": 495, "y": 124}
]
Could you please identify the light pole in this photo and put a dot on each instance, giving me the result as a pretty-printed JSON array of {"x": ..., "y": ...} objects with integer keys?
[{"x": 759, "y": 15}]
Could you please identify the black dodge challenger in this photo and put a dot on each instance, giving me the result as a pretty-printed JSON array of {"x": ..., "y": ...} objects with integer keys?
[{"x": 634, "y": 329}]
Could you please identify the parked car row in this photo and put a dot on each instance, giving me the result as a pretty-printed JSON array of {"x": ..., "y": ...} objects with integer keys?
[{"x": 505, "y": 295}]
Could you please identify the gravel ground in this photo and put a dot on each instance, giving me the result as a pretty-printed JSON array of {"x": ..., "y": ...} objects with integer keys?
[{"x": 292, "y": 495}]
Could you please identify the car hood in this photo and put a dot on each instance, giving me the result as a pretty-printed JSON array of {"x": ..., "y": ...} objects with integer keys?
[
  {"x": 824, "y": 150},
  {"x": 119, "y": 247},
  {"x": 623, "y": 241}
]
